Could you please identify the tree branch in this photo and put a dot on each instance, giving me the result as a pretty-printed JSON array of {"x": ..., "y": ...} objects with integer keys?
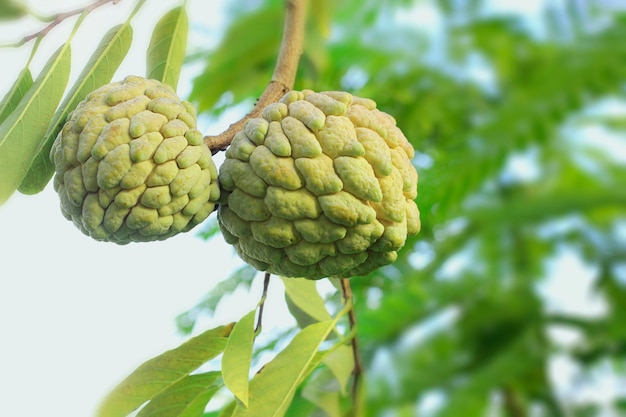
[
  {"x": 357, "y": 372},
  {"x": 59, "y": 18},
  {"x": 284, "y": 72}
]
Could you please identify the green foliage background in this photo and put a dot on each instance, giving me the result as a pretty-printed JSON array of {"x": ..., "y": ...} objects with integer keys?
[
  {"x": 518, "y": 123},
  {"x": 508, "y": 115}
]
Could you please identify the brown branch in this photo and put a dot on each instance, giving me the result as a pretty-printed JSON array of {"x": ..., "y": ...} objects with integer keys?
[
  {"x": 59, "y": 18},
  {"x": 284, "y": 72},
  {"x": 357, "y": 371},
  {"x": 259, "y": 321}
]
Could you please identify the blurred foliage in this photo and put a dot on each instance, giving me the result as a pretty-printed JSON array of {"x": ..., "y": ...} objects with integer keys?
[{"x": 513, "y": 173}]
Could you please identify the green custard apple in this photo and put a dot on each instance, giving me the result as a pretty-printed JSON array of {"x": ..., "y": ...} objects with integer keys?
[
  {"x": 321, "y": 185},
  {"x": 131, "y": 165}
]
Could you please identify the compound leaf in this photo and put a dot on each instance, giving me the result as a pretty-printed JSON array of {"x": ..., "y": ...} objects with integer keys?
[
  {"x": 100, "y": 69},
  {"x": 159, "y": 374},
  {"x": 168, "y": 44},
  {"x": 22, "y": 133}
]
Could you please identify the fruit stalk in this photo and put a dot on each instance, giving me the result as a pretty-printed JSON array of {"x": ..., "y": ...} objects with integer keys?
[
  {"x": 357, "y": 371},
  {"x": 284, "y": 72}
]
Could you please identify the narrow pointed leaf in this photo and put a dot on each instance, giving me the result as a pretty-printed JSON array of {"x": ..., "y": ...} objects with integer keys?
[
  {"x": 100, "y": 70},
  {"x": 238, "y": 357},
  {"x": 273, "y": 388},
  {"x": 187, "y": 398},
  {"x": 22, "y": 133},
  {"x": 304, "y": 301},
  {"x": 18, "y": 90},
  {"x": 162, "y": 372},
  {"x": 167, "y": 48}
]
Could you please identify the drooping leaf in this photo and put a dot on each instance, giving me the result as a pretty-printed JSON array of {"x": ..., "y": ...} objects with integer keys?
[
  {"x": 99, "y": 70},
  {"x": 168, "y": 44},
  {"x": 273, "y": 387},
  {"x": 238, "y": 357},
  {"x": 186, "y": 398},
  {"x": 304, "y": 301},
  {"x": 22, "y": 133},
  {"x": 14, "y": 95},
  {"x": 341, "y": 363},
  {"x": 162, "y": 372}
]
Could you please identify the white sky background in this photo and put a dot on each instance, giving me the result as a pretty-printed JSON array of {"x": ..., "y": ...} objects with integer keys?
[{"x": 76, "y": 315}]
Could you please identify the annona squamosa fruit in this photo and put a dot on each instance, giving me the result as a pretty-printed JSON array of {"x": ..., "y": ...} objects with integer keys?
[
  {"x": 321, "y": 185},
  {"x": 131, "y": 165}
]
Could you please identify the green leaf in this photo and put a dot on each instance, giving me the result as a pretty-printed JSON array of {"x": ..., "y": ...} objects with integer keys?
[
  {"x": 243, "y": 62},
  {"x": 304, "y": 301},
  {"x": 187, "y": 398},
  {"x": 322, "y": 391},
  {"x": 162, "y": 372},
  {"x": 10, "y": 9},
  {"x": 341, "y": 363},
  {"x": 22, "y": 133},
  {"x": 238, "y": 357},
  {"x": 16, "y": 93},
  {"x": 166, "y": 52},
  {"x": 100, "y": 69},
  {"x": 273, "y": 387}
]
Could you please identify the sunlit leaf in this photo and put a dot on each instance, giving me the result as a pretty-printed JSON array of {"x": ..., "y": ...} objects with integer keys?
[
  {"x": 14, "y": 95},
  {"x": 159, "y": 374},
  {"x": 238, "y": 357},
  {"x": 273, "y": 387},
  {"x": 304, "y": 301},
  {"x": 186, "y": 398},
  {"x": 22, "y": 133},
  {"x": 98, "y": 71},
  {"x": 168, "y": 44}
]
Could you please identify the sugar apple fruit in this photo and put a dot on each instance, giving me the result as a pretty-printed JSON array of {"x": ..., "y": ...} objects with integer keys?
[
  {"x": 131, "y": 165},
  {"x": 321, "y": 185}
]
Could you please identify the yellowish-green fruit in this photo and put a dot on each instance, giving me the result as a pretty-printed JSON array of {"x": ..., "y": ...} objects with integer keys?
[
  {"x": 131, "y": 165},
  {"x": 321, "y": 185}
]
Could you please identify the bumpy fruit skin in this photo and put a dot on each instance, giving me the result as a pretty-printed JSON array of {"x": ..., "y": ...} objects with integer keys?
[
  {"x": 321, "y": 185},
  {"x": 131, "y": 165}
]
